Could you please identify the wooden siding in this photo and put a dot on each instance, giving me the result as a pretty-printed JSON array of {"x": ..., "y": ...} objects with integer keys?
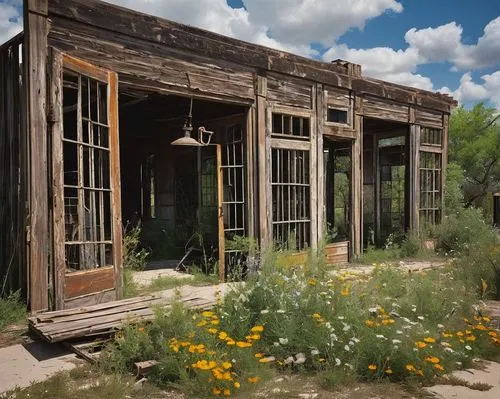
[
  {"x": 380, "y": 109},
  {"x": 291, "y": 92},
  {"x": 13, "y": 169},
  {"x": 153, "y": 68},
  {"x": 428, "y": 117}
]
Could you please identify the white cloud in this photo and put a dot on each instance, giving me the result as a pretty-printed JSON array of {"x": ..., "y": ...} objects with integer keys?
[
  {"x": 305, "y": 21},
  {"x": 469, "y": 91},
  {"x": 10, "y": 20}
]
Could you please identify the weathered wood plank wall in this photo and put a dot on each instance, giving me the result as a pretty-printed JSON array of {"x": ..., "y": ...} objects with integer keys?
[{"x": 13, "y": 169}]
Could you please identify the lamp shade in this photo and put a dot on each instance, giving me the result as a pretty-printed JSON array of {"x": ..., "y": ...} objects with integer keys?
[{"x": 187, "y": 141}]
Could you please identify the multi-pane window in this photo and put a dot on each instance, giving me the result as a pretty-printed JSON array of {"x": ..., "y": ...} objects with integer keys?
[
  {"x": 291, "y": 198},
  {"x": 289, "y": 126},
  {"x": 430, "y": 188},
  {"x": 337, "y": 115},
  {"x": 87, "y": 184},
  {"x": 430, "y": 136}
]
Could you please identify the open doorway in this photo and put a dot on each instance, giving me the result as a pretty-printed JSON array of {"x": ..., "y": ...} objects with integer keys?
[
  {"x": 186, "y": 198},
  {"x": 385, "y": 181}
]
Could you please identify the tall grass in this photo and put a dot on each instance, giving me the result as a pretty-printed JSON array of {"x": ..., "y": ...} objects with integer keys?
[{"x": 12, "y": 310}]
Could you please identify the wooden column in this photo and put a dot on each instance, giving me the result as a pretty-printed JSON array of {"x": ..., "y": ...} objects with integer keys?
[
  {"x": 357, "y": 182},
  {"x": 36, "y": 28},
  {"x": 316, "y": 160},
  {"x": 444, "y": 159},
  {"x": 262, "y": 156},
  {"x": 414, "y": 177},
  {"x": 250, "y": 170},
  {"x": 320, "y": 123}
]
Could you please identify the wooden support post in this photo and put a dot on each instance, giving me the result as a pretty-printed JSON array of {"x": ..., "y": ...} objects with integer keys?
[
  {"x": 444, "y": 160},
  {"x": 250, "y": 171},
  {"x": 414, "y": 177},
  {"x": 357, "y": 183},
  {"x": 220, "y": 214},
  {"x": 56, "y": 129},
  {"x": 320, "y": 123},
  {"x": 316, "y": 163},
  {"x": 35, "y": 58},
  {"x": 262, "y": 157}
]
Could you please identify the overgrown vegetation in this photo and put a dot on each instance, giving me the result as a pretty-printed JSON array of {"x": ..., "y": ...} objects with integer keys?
[
  {"x": 388, "y": 326},
  {"x": 12, "y": 310}
]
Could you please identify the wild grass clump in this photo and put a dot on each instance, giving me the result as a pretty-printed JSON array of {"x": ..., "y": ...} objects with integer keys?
[
  {"x": 135, "y": 256},
  {"x": 12, "y": 310}
]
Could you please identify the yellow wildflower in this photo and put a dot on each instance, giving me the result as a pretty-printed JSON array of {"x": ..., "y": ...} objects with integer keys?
[
  {"x": 470, "y": 338},
  {"x": 312, "y": 282},
  {"x": 481, "y": 327},
  {"x": 388, "y": 371},
  {"x": 439, "y": 367},
  {"x": 316, "y": 316},
  {"x": 242, "y": 344},
  {"x": 227, "y": 365},
  {"x": 372, "y": 367},
  {"x": 215, "y": 322},
  {"x": 468, "y": 332},
  {"x": 492, "y": 334},
  {"x": 201, "y": 323},
  {"x": 369, "y": 323},
  {"x": 227, "y": 392},
  {"x": 253, "y": 380},
  {"x": 410, "y": 367},
  {"x": 257, "y": 329},
  {"x": 141, "y": 329},
  {"x": 447, "y": 335},
  {"x": 207, "y": 313},
  {"x": 230, "y": 342},
  {"x": 345, "y": 291},
  {"x": 387, "y": 322},
  {"x": 420, "y": 344},
  {"x": 486, "y": 319},
  {"x": 212, "y": 331},
  {"x": 216, "y": 391},
  {"x": 223, "y": 335},
  {"x": 237, "y": 384},
  {"x": 429, "y": 340},
  {"x": 432, "y": 359},
  {"x": 259, "y": 355},
  {"x": 460, "y": 334},
  {"x": 205, "y": 365},
  {"x": 420, "y": 373}
]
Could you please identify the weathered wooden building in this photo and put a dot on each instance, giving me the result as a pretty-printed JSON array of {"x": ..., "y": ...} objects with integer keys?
[{"x": 279, "y": 147}]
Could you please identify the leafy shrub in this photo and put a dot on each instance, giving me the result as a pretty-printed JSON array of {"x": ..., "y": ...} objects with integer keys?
[
  {"x": 134, "y": 256},
  {"x": 12, "y": 310},
  {"x": 464, "y": 232}
]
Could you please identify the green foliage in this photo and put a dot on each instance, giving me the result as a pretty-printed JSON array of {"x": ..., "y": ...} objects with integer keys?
[
  {"x": 134, "y": 256},
  {"x": 464, "y": 232},
  {"x": 474, "y": 145},
  {"x": 453, "y": 194},
  {"x": 161, "y": 242},
  {"x": 12, "y": 310}
]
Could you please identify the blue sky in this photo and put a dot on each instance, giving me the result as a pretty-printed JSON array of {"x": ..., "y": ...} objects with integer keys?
[{"x": 452, "y": 46}]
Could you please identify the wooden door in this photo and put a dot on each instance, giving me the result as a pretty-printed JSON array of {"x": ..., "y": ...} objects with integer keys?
[
  {"x": 87, "y": 230},
  {"x": 211, "y": 193}
]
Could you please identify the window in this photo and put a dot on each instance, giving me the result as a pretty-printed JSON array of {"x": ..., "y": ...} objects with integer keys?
[
  {"x": 87, "y": 184},
  {"x": 291, "y": 198},
  {"x": 430, "y": 188},
  {"x": 430, "y": 136},
  {"x": 288, "y": 126},
  {"x": 148, "y": 187},
  {"x": 336, "y": 115}
]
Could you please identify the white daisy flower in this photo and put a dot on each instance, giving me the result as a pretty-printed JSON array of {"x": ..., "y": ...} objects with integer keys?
[{"x": 283, "y": 341}]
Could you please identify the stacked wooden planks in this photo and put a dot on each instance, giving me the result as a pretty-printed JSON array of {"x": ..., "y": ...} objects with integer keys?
[{"x": 104, "y": 319}]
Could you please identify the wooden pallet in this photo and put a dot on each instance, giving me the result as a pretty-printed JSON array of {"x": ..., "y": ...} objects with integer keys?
[{"x": 106, "y": 318}]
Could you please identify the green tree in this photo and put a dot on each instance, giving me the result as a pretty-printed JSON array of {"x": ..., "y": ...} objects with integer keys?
[{"x": 474, "y": 145}]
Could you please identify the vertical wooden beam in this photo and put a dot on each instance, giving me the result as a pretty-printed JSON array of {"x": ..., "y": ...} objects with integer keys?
[
  {"x": 357, "y": 182},
  {"x": 35, "y": 58},
  {"x": 220, "y": 214},
  {"x": 56, "y": 127},
  {"x": 250, "y": 171},
  {"x": 316, "y": 160},
  {"x": 414, "y": 178},
  {"x": 320, "y": 123},
  {"x": 444, "y": 159},
  {"x": 262, "y": 157},
  {"x": 114, "y": 145}
]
